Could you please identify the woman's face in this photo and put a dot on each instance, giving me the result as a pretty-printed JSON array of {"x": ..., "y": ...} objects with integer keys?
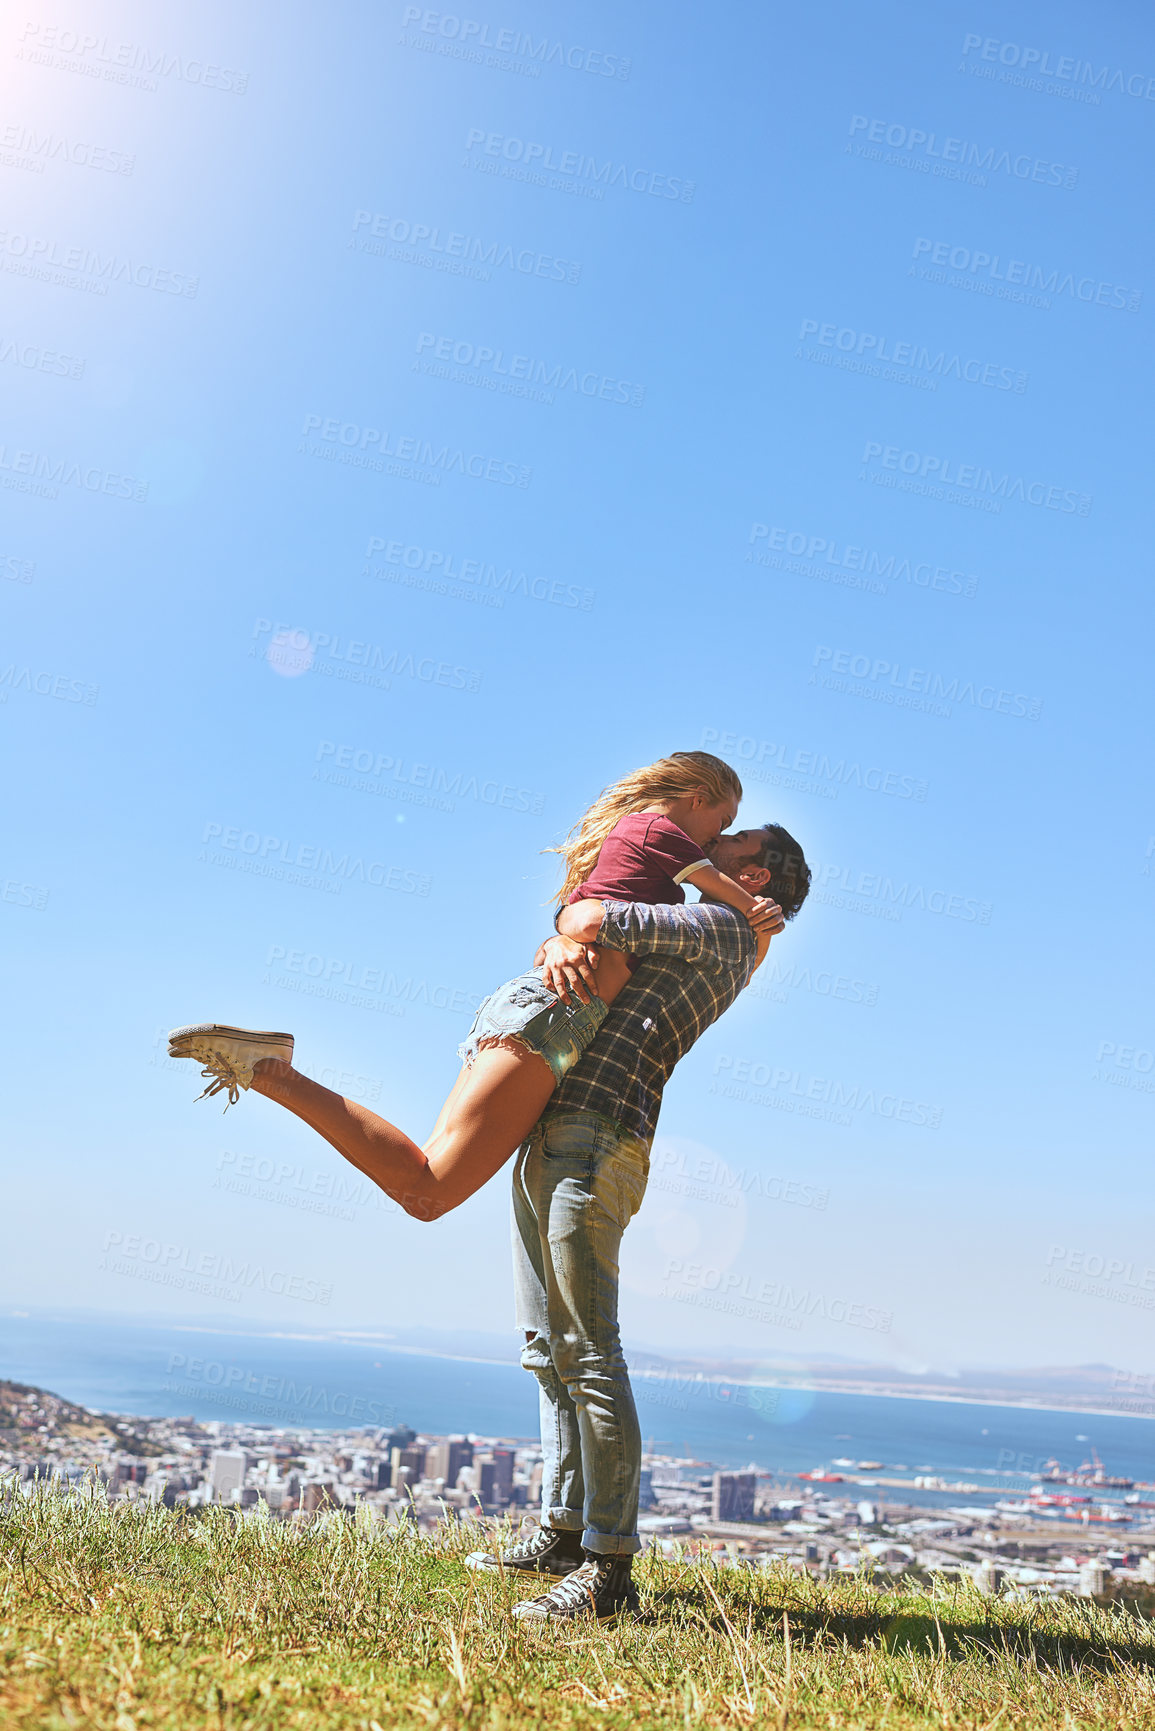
[{"x": 707, "y": 818}]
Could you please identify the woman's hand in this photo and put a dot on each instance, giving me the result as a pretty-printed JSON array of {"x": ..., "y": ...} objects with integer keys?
[
  {"x": 766, "y": 917},
  {"x": 568, "y": 967}
]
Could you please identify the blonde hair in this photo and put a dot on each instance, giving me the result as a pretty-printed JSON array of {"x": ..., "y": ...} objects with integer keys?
[{"x": 671, "y": 777}]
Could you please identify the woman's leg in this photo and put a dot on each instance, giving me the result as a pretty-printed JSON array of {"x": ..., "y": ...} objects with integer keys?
[{"x": 490, "y": 1111}]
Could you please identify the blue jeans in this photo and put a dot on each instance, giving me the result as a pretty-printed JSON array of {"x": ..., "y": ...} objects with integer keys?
[{"x": 577, "y": 1184}]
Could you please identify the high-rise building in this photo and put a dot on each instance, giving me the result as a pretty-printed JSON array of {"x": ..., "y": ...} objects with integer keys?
[
  {"x": 444, "y": 1460},
  {"x": 411, "y": 1458},
  {"x": 646, "y": 1497},
  {"x": 502, "y": 1476},
  {"x": 732, "y": 1497},
  {"x": 1092, "y": 1578},
  {"x": 227, "y": 1470}
]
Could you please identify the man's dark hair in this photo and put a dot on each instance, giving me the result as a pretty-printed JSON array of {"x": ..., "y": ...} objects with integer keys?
[{"x": 789, "y": 874}]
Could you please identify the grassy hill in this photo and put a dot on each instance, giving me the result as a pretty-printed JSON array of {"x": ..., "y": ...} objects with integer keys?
[{"x": 128, "y": 1618}]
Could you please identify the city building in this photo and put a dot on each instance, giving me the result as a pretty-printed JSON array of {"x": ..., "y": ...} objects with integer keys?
[
  {"x": 227, "y": 1470},
  {"x": 732, "y": 1496},
  {"x": 410, "y": 1460},
  {"x": 444, "y": 1460}
]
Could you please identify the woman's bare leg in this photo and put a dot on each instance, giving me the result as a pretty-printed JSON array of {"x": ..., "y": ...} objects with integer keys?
[{"x": 491, "y": 1109}]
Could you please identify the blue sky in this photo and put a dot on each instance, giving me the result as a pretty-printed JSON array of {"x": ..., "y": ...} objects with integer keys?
[{"x": 407, "y": 430}]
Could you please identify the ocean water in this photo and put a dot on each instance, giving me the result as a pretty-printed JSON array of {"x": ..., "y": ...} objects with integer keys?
[{"x": 278, "y": 1379}]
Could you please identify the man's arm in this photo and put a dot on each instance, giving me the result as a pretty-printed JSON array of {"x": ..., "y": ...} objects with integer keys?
[
  {"x": 689, "y": 934},
  {"x": 568, "y": 967}
]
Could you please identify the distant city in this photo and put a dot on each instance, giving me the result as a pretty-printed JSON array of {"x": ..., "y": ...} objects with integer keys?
[{"x": 1057, "y": 1537}]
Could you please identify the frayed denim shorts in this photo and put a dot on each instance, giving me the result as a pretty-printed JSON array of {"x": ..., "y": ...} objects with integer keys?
[{"x": 525, "y": 1010}]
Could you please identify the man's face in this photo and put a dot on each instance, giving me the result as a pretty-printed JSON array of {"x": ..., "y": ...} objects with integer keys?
[{"x": 733, "y": 853}]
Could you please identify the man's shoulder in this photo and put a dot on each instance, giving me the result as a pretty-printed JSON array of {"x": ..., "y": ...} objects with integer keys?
[{"x": 727, "y": 939}]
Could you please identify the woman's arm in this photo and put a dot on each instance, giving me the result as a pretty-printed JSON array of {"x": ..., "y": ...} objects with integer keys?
[{"x": 717, "y": 887}]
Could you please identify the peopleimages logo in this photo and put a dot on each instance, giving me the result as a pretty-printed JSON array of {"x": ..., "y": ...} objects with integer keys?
[
  {"x": 890, "y": 682},
  {"x": 471, "y": 35},
  {"x": 172, "y": 1261},
  {"x": 36, "y": 472},
  {"x": 767, "y": 759},
  {"x": 457, "y": 784},
  {"x": 1066, "y": 67},
  {"x": 849, "y": 1096},
  {"x": 364, "y": 447},
  {"x": 459, "y": 254},
  {"x": 296, "y": 650},
  {"x": 333, "y": 977},
  {"x": 918, "y": 357},
  {"x": 578, "y": 168},
  {"x": 984, "y": 484},
  {"x": 435, "y": 568},
  {"x": 886, "y": 898},
  {"x": 272, "y": 853},
  {"x": 1017, "y": 273},
  {"x": 40, "y": 360},
  {"x": 284, "y": 1396},
  {"x": 78, "y": 267},
  {"x": 826, "y": 550},
  {"x": 960, "y": 152},
  {"x": 122, "y": 62},
  {"x": 518, "y": 375},
  {"x": 37, "y": 148}
]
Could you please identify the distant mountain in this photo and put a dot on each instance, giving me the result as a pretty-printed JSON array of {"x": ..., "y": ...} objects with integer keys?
[
  {"x": 29, "y": 1416},
  {"x": 25, "y": 1411},
  {"x": 1081, "y": 1386}
]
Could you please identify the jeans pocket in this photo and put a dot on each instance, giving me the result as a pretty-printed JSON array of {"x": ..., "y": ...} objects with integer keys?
[
  {"x": 634, "y": 1180},
  {"x": 564, "y": 1139}
]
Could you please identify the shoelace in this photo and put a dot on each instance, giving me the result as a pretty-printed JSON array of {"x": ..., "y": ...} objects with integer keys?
[
  {"x": 222, "y": 1074},
  {"x": 574, "y": 1590},
  {"x": 526, "y": 1549}
]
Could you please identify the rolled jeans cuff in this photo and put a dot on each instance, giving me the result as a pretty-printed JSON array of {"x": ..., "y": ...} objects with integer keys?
[
  {"x": 564, "y": 1520},
  {"x": 611, "y": 1544}
]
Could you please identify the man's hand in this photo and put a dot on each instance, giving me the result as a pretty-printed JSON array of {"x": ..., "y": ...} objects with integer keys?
[
  {"x": 766, "y": 917},
  {"x": 568, "y": 967}
]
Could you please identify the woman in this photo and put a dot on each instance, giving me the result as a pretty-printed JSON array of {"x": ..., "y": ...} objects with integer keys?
[{"x": 642, "y": 834}]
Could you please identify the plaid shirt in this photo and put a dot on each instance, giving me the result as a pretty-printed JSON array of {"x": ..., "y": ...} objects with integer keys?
[{"x": 696, "y": 961}]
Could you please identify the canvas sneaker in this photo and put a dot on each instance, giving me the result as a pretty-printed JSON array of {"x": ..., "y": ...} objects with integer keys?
[
  {"x": 227, "y": 1054},
  {"x": 545, "y": 1551},
  {"x": 602, "y": 1588}
]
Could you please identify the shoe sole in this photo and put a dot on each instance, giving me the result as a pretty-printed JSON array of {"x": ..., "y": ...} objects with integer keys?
[
  {"x": 579, "y": 1617},
  {"x": 520, "y": 1569},
  {"x": 198, "y": 1041},
  {"x": 221, "y": 1030}
]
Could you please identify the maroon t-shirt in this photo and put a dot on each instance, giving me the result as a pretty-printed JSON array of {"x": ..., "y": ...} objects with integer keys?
[{"x": 643, "y": 859}]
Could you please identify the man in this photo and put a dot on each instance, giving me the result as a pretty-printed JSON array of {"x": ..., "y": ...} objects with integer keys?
[{"x": 578, "y": 1181}]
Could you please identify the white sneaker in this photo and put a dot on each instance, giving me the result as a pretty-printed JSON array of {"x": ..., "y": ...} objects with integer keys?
[{"x": 228, "y": 1054}]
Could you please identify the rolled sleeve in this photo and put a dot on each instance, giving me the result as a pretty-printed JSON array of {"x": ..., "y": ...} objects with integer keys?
[{"x": 688, "y": 871}]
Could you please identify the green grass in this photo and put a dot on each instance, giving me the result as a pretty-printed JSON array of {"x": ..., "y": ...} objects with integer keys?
[{"x": 125, "y": 1618}]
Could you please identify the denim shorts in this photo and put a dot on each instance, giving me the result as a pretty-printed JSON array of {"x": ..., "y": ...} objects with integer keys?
[{"x": 525, "y": 1010}]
